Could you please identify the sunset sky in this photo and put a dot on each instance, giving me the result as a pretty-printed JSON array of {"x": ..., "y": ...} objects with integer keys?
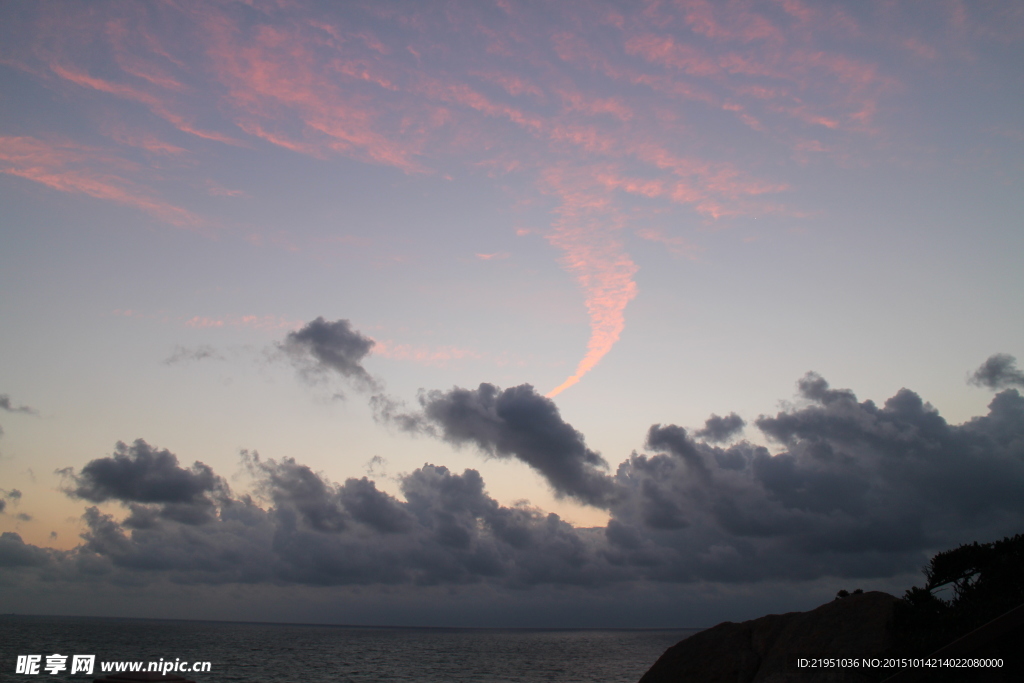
[{"x": 406, "y": 279}]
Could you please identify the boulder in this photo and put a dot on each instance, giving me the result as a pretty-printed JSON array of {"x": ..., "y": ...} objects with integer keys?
[{"x": 765, "y": 650}]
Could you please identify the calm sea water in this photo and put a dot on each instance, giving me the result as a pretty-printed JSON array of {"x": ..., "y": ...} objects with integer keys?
[{"x": 280, "y": 653}]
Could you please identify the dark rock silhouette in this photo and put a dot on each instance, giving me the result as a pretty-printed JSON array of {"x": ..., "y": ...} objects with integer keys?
[
  {"x": 765, "y": 650},
  {"x": 984, "y": 620},
  {"x": 999, "y": 639}
]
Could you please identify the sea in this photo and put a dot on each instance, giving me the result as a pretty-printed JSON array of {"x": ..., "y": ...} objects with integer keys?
[{"x": 293, "y": 653}]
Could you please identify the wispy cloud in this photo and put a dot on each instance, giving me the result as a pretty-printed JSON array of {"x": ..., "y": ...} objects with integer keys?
[
  {"x": 184, "y": 354},
  {"x": 597, "y": 117},
  {"x": 69, "y": 167},
  {"x": 585, "y": 232},
  {"x": 258, "y": 322},
  {"x": 425, "y": 355},
  {"x": 154, "y": 103},
  {"x": 274, "y": 74},
  {"x": 7, "y": 405}
]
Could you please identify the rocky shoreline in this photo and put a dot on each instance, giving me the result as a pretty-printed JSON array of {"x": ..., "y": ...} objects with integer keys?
[
  {"x": 803, "y": 646},
  {"x": 764, "y": 650}
]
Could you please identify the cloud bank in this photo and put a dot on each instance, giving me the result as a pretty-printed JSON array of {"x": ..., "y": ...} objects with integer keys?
[{"x": 856, "y": 490}]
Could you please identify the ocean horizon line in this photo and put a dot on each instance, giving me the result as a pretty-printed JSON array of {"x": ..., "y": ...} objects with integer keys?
[{"x": 361, "y": 626}]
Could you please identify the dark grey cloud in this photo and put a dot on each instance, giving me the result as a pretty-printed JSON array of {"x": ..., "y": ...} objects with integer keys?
[
  {"x": 186, "y": 354},
  {"x": 304, "y": 494},
  {"x": 14, "y": 552},
  {"x": 390, "y": 411},
  {"x": 999, "y": 371},
  {"x": 471, "y": 537},
  {"x": 518, "y": 422},
  {"x": 675, "y": 440},
  {"x": 143, "y": 475},
  {"x": 813, "y": 387},
  {"x": 6, "y": 404},
  {"x": 856, "y": 490},
  {"x": 311, "y": 531},
  {"x": 323, "y": 347},
  {"x": 9, "y": 495},
  {"x": 719, "y": 429},
  {"x": 373, "y": 508}
]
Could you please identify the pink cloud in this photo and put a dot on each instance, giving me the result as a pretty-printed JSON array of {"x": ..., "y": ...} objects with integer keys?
[
  {"x": 257, "y": 322},
  {"x": 600, "y": 119},
  {"x": 676, "y": 244},
  {"x": 275, "y": 77},
  {"x": 154, "y": 103},
  {"x": 204, "y": 322},
  {"x": 920, "y": 48},
  {"x": 436, "y": 356},
  {"x": 664, "y": 50},
  {"x": 217, "y": 190},
  {"x": 730, "y": 21},
  {"x": 255, "y": 129},
  {"x": 649, "y": 188},
  {"x": 144, "y": 140},
  {"x": 124, "y": 40},
  {"x": 72, "y": 168},
  {"x": 275, "y": 74},
  {"x": 513, "y": 84},
  {"x": 594, "y": 106},
  {"x": 585, "y": 233},
  {"x": 462, "y": 94}
]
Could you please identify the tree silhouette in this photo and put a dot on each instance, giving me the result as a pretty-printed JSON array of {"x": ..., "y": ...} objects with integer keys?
[{"x": 987, "y": 580}]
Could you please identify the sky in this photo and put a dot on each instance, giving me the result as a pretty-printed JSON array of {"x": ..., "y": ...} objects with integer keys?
[{"x": 504, "y": 313}]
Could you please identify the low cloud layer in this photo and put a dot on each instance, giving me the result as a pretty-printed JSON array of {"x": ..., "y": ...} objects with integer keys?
[
  {"x": 855, "y": 490},
  {"x": 858, "y": 489},
  {"x": 311, "y": 531}
]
